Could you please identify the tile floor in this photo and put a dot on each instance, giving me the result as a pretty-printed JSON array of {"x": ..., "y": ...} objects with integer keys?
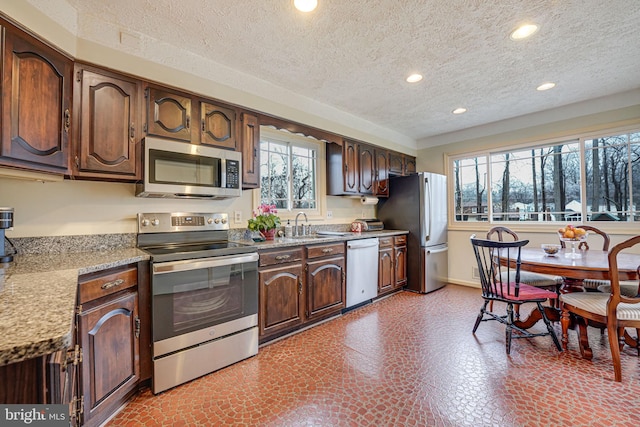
[{"x": 408, "y": 360}]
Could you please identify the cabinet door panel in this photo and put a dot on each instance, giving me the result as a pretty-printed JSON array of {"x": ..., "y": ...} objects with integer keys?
[
  {"x": 382, "y": 173},
  {"x": 400, "y": 266},
  {"x": 169, "y": 114},
  {"x": 110, "y": 348},
  {"x": 385, "y": 270},
  {"x": 36, "y": 106},
  {"x": 325, "y": 287},
  {"x": 351, "y": 174},
  {"x": 250, "y": 151},
  {"x": 218, "y": 126},
  {"x": 396, "y": 164},
  {"x": 367, "y": 169},
  {"x": 280, "y": 298},
  {"x": 108, "y": 135}
]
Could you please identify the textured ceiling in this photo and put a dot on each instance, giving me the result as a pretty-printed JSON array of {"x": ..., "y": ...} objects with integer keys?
[{"x": 354, "y": 55}]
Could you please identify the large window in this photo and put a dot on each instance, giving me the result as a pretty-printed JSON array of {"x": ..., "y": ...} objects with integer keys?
[
  {"x": 587, "y": 179},
  {"x": 289, "y": 171}
]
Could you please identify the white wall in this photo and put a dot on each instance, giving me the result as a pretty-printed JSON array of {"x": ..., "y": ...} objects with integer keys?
[{"x": 84, "y": 207}]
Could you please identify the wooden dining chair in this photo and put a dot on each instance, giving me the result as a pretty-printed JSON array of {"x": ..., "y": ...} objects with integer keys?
[
  {"x": 614, "y": 310},
  {"x": 544, "y": 281},
  {"x": 626, "y": 288},
  {"x": 534, "y": 279},
  {"x": 495, "y": 273}
]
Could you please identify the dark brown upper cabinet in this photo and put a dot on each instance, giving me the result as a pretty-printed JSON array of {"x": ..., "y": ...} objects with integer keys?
[
  {"x": 366, "y": 162},
  {"x": 382, "y": 173},
  {"x": 401, "y": 164},
  {"x": 357, "y": 168},
  {"x": 36, "y": 104},
  {"x": 168, "y": 114},
  {"x": 250, "y": 146},
  {"x": 217, "y": 126},
  {"x": 107, "y": 129}
]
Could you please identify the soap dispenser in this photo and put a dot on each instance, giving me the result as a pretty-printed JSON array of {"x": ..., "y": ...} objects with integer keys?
[{"x": 288, "y": 229}]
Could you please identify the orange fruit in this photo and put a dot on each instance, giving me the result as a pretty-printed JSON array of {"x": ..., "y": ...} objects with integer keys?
[{"x": 569, "y": 234}]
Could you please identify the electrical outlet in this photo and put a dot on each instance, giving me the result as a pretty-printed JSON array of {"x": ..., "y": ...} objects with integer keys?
[
  {"x": 237, "y": 217},
  {"x": 329, "y": 214}
]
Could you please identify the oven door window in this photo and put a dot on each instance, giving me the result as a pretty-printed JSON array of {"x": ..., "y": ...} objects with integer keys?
[
  {"x": 184, "y": 169},
  {"x": 185, "y": 301}
]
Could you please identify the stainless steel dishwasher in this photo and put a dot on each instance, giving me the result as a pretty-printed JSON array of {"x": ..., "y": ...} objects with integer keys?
[{"x": 362, "y": 270}]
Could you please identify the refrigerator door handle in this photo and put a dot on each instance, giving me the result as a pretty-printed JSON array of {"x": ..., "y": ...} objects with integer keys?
[
  {"x": 425, "y": 218},
  {"x": 437, "y": 251}
]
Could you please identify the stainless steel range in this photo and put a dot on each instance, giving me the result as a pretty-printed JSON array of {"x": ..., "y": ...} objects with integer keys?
[{"x": 204, "y": 295}]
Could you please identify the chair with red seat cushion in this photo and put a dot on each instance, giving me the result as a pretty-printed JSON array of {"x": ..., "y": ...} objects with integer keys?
[{"x": 495, "y": 274}]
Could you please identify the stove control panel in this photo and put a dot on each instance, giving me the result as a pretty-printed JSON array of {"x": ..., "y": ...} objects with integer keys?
[{"x": 181, "y": 221}]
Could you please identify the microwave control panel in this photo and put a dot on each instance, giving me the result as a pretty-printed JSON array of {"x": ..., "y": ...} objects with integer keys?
[{"x": 233, "y": 174}]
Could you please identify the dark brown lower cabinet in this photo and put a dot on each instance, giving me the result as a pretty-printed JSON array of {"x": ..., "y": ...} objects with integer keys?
[
  {"x": 110, "y": 367},
  {"x": 325, "y": 287},
  {"x": 298, "y": 286}
]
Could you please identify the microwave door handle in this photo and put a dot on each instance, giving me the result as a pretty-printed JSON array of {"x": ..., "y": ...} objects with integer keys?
[{"x": 223, "y": 173}]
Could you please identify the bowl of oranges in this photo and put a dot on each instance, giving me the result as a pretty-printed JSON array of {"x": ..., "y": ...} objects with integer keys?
[{"x": 572, "y": 235}]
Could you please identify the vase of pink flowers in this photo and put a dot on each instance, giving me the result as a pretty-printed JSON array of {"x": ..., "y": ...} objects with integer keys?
[{"x": 265, "y": 221}]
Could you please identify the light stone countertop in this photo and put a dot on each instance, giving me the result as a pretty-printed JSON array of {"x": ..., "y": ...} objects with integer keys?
[
  {"x": 38, "y": 299},
  {"x": 38, "y": 292}
]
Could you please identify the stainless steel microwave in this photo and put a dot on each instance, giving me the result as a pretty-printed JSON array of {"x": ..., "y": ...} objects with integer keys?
[{"x": 182, "y": 170}]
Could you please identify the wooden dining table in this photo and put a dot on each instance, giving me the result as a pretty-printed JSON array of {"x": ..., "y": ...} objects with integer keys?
[{"x": 592, "y": 264}]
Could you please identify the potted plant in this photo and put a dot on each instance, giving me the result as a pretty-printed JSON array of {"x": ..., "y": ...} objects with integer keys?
[{"x": 265, "y": 221}]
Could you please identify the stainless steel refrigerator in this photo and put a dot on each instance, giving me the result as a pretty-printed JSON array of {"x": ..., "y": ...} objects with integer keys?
[{"x": 418, "y": 203}]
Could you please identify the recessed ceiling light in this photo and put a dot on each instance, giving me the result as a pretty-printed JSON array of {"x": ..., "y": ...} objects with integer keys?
[
  {"x": 546, "y": 86},
  {"x": 523, "y": 31},
  {"x": 459, "y": 110},
  {"x": 305, "y": 5},
  {"x": 414, "y": 78}
]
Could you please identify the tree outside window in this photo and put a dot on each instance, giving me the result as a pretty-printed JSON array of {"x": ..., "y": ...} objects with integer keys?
[
  {"x": 545, "y": 183},
  {"x": 288, "y": 171}
]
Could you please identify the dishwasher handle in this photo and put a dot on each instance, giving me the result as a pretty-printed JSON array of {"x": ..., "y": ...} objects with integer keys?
[{"x": 360, "y": 244}]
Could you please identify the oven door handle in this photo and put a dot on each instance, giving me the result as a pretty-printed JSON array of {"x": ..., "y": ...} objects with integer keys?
[{"x": 200, "y": 263}]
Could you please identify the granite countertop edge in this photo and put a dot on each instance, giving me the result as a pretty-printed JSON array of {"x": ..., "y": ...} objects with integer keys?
[
  {"x": 38, "y": 296},
  {"x": 283, "y": 242}
]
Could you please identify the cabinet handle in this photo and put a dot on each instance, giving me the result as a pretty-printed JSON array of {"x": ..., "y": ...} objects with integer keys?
[
  {"x": 67, "y": 120},
  {"x": 281, "y": 257},
  {"x": 327, "y": 250},
  {"x": 132, "y": 131},
  {"x": 137, "y": 330},
  {"x": 112, "y": 284},
  {"x": 188, "y": 122}
]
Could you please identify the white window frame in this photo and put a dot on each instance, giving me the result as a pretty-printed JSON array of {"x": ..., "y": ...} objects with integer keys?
[
  {"x": 618, "y": 226},
  {"x": 282, "y": 136}
]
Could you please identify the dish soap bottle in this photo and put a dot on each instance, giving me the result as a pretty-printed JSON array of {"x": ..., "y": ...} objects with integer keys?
[{"x": 288, "y": 229}]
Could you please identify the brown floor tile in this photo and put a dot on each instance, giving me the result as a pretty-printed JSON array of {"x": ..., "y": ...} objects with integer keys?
[{"x": 408, "y": 360}]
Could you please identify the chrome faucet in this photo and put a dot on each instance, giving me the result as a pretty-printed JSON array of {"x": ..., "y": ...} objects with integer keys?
[{"x": 295, "y": 227}]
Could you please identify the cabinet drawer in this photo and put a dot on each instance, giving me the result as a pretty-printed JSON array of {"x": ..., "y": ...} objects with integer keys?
[
  {"x": 280, "y": 257},
  {"x": 325, "y": 250},
  {"x": 95, "y": 287},
  {"x": 385, "y": 242},
  {"x": 400, "y": 240}
]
